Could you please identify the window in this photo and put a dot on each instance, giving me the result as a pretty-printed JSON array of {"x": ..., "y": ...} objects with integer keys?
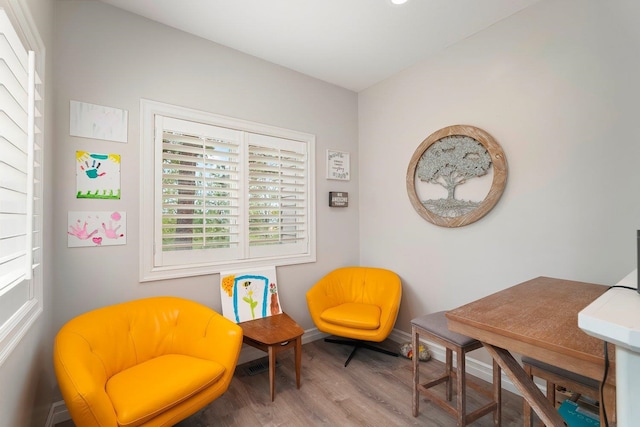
[
  {"x": 21, "y": 54},
  {"x": 221, "y": 193}
]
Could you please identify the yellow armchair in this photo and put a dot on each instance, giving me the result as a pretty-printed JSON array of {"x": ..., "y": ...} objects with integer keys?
[
  {"x": 149, "y": 362},
  {"x": 359, "y": 303}
]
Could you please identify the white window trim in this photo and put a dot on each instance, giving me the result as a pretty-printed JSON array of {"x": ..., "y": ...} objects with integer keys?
[
  {"x": 148, "y": 271},
  {"x": 14, "y": 329}
]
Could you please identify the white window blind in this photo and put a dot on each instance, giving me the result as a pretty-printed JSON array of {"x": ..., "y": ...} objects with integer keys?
[
  {"x": 20, "y": 186},
  {"x": 277, "y": 199},
  {"x": 198, "y": 193},
  {"x": 227, "y": 193}
]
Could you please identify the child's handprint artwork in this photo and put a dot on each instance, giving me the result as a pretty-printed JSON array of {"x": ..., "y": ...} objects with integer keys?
[
  {"x": 111, "y": 232},
  {"x": 80, "y": 231},
  {"x": 92, "y": 170},
  {"x": 96, "y": 229},
  {"x": 97, "y": 175}
]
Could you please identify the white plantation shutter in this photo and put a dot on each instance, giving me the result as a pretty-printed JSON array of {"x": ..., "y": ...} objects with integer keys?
[
  {"x": 226, "y": 193},
  {"x": 20, "y": 187},
  {"x": 277, "y": 196},
  {"x": 199, "y": 197}
]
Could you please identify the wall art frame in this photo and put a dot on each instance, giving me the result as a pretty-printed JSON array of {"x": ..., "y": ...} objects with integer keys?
[
  {"x": 338, "y": 165},
  {"x": 471, "y": 161}
]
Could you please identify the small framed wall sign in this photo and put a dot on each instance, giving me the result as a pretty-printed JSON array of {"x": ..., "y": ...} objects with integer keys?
[
  {"x": 338, "y": 199},
  {"x": 338, "y": 165}
]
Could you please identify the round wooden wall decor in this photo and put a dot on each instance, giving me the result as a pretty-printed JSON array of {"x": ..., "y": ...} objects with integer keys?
[{"x": 447, "y": 159}]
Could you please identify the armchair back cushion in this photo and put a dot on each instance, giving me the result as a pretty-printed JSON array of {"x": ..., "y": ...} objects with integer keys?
[{"x": 150, "y": 362}]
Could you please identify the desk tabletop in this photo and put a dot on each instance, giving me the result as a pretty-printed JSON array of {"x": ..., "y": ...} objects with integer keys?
[
  {"x": 272, "y": 330},
  {"x": 537, "y": 318}
]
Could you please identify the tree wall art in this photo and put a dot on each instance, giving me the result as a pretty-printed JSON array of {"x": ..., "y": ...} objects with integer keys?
[{"x": 456, "y": 176}]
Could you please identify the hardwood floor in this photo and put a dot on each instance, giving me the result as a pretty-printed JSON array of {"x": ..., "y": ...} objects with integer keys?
[{"x": 374, "y": 390}]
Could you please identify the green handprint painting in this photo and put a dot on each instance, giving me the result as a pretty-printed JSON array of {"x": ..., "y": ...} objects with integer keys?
[{"x": 97, "y": 175}]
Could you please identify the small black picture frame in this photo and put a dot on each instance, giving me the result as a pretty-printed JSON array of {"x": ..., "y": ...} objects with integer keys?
[{"x": 338, "y": 199}]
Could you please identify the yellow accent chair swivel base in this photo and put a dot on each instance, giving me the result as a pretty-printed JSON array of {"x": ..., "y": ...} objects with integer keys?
[
  {"x": 148, "y": 362},
  {"x": 357, "y": 303}
]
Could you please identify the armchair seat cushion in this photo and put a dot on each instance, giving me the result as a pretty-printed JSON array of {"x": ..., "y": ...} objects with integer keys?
[
  {"x": 353, "y": 315},
  {"x": 147, "y": 389}
]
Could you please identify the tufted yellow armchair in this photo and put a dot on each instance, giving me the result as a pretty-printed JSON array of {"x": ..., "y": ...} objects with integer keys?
[
  {"x": 149, "y": 362},
  {"x": 359, "y": 303}
]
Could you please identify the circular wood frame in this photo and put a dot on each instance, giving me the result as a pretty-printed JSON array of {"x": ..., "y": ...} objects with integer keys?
[{"x": 499, "y": 162}]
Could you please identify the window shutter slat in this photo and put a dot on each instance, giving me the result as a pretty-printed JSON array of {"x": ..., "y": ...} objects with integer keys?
[{"x": 12, "y": 83}]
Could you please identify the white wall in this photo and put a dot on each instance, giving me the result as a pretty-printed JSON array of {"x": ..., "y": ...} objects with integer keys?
[
  {"x": 27, "y": 382},
  {"x": 109, "y": 57},
  {"x": 557, "y": 86}
]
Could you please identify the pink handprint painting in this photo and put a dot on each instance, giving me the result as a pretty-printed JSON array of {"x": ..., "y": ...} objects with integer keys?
[{"x": 96, "y": 229}]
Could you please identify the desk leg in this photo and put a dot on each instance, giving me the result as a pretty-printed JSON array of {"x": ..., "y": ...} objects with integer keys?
[
  {"x": 272, "y": 372},
  {"x": 545, "y": 410},
  {"x": 298, "y": 351}
]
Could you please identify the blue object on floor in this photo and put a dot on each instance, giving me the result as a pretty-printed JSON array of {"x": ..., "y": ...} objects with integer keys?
[{"x": 575, "y": 416}]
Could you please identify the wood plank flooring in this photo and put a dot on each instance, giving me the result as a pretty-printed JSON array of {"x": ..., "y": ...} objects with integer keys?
[{"x": 374, "y": 390}]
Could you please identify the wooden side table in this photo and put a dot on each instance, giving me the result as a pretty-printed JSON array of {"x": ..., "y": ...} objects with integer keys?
[{"x": 274, "y": 334}]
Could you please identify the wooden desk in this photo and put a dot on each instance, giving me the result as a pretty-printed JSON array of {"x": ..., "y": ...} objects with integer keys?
[
  {"x": 274, "y": 334},
  {"x": 538, "y": 318}
]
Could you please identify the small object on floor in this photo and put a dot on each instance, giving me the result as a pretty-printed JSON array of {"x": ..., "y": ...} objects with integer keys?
[
  {"x": 576, "y": 415},
  {"x": 406, "y": 350}
]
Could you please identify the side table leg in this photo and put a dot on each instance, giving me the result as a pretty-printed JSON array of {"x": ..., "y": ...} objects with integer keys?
[
  {"x": 298, "y": 351},
  {"x": 272, "y": 372}
]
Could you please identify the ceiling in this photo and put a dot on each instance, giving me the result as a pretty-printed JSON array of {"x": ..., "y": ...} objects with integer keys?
[{"x": 350, "y": 43}]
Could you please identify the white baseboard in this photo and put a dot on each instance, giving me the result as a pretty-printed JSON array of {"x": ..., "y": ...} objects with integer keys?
[{"x": 58, "y": 412}]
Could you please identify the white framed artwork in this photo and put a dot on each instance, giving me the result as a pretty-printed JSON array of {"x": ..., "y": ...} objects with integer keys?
[
  {"x": 97, "y": 175},
  {"x": 93, "y": 228},
  {"x": 97, "y": 121},
  {"x": 249, "y": 294},
  {"x": 338, "y": 165}
]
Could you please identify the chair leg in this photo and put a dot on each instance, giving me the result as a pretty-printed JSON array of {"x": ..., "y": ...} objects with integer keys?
[
  {"x": 461, "y": 385},
  {"x": 497, "y": 394},
  {"x": 377, "y": 349},
  {"x": 353, "y": 352},
  {"x": 359, "y": 344},
  {"x": 551, "y": 393},
  {"x": 448, "y": 361},
  {"x": 416, "y": 372}
]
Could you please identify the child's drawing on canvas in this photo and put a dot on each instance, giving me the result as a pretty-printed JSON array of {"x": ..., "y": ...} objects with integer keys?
[
  {"x": 97, "y": 121},
  {"x": 96, "y": 229},
  {"x": 97, "y": 175},
  {"x": 249, "y": 294}
]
